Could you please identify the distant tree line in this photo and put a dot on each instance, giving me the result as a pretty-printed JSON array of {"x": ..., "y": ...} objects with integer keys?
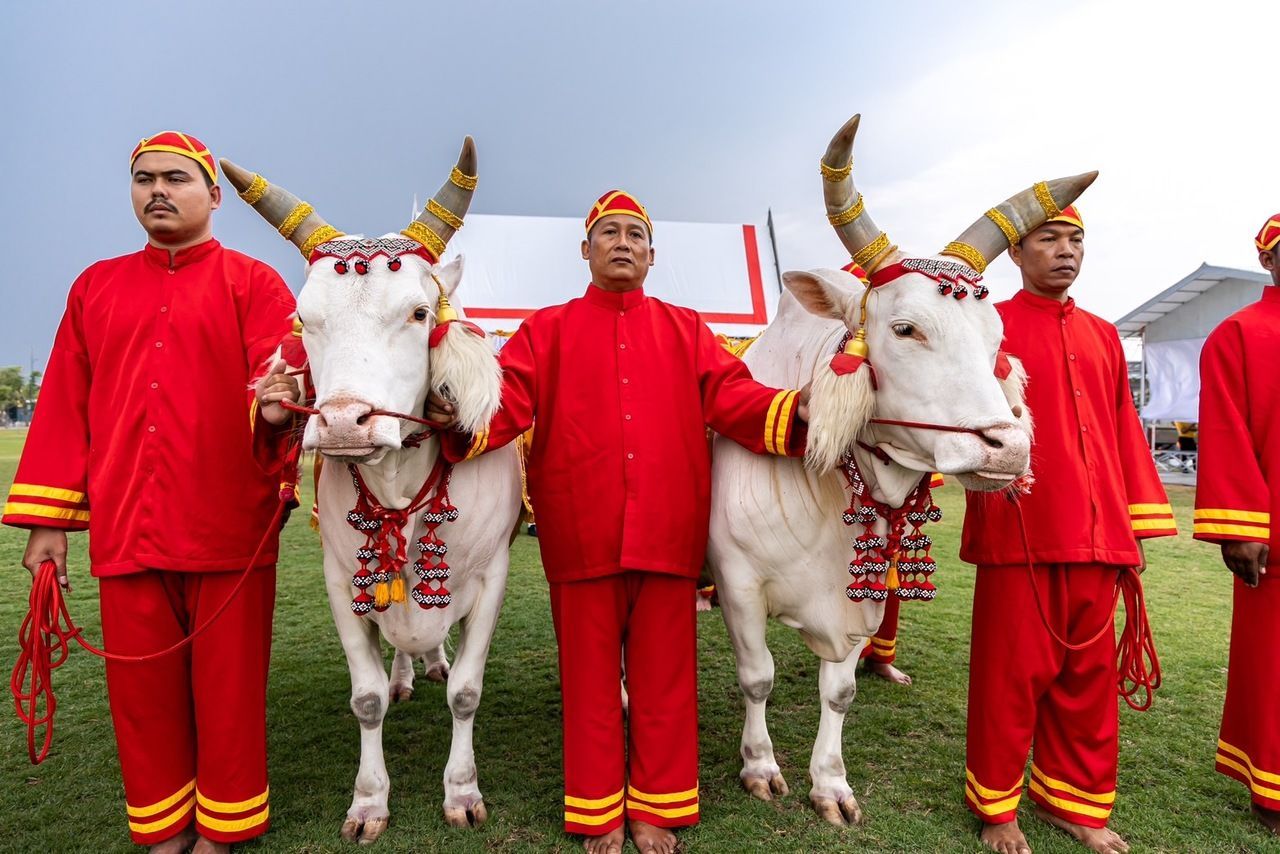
[{"x": 18, "y": 392}]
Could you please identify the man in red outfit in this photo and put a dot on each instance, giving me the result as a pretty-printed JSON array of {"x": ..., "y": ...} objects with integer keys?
[
  {"x": 623, "y": 387},
  {"x": 1096, "y": 496},
  {"x": 1237, "y": 493},
  {"x": 152, "y": 361}
]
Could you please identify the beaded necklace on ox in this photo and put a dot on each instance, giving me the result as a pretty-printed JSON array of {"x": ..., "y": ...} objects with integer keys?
[
  {"x": 381, "y": 560},
  {"x": 898, "y": 560}
]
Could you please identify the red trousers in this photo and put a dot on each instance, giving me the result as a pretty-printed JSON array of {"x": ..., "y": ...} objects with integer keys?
[
  {"x": 1249, "y": 744},
  {"x": 883, "y": 647},
  {"x": 191, "y": 726},
  {"x": 1025, "y": 687},
  {"x": 650, "y": 772}
]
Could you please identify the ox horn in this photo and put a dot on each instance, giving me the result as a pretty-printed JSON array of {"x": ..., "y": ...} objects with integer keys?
[
  {"x": 1015, "y": 218},
  {"x": 869, "y": 246},
  {"x": 442, "y": 216},
  {"x": 296, "y": 220}
]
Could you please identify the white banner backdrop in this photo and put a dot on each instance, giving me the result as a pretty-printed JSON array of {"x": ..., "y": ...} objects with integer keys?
[
  {"x": 517, "y": 264},
  {"x": 1173, "y": 377}
]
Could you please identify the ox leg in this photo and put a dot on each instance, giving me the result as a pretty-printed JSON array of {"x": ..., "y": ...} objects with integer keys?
[
  {"x": 369, "y": 814},
  {"x": 746, "y": 620},
  {"x": 401, "y": 688},
  {"x": 437, "y": 663},
  {"x": 463, "y": 803},
  {"x": 830, "y": 794}
]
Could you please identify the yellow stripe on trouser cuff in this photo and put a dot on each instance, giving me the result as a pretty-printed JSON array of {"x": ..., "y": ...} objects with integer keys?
[
  {"x": 478, "y": 444},
  {"x": 55, "y": 492},
  {"x": 671, "y": 798},
  {"x": 1253, "y": 772},
  {"x": 168, "y": 821},
  {"x": 1104, "y": 798},
  {"x": 1230, "y": 515},
  {"x": 675, "y": 812},
  {"x": 1069, "y": 806},
  {"x": 784, "y": 422},
  {"x": 232, "y": 807},
  {"x": 1150, "y": 510},
  {"x": 593, "y": 803},
  {"x": 593, "y": 820},
  {"x": 990, "y": 794},
  {"x": 996, "y": 808},
  {"x": 1252, "y": 782},
  {"x": 18, "y": 508},
  {"x": 1232, "y": 530},
  {"x": 232, "y": 826},
  {"x": 771, "y": 420},
  {"x": 161, "y": 805},
  {"x": 1166, "y": 523}
]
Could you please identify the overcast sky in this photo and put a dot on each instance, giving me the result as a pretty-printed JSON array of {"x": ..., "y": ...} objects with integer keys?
[{"x": 708, "y": 111}]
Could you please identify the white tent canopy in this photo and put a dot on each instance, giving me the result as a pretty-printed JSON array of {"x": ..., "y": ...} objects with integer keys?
[
  {"x": 518, "y": 264},
  {"x": 1173, "y": 326}
]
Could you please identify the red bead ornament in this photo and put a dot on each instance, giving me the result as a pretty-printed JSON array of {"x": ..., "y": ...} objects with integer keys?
[
  {"x": 362, "y": 267},
  {"x": 393, "y": 264},
  {"x": 339, "y": 267}
]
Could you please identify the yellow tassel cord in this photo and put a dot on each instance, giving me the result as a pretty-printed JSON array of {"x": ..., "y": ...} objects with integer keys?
[
  {"x": 445, "y": 312},
  {"x": 381, "y": 595},
  {"x": 397, "y": 589}
]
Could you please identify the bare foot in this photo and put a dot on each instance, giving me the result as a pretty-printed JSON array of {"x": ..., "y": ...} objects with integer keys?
[
  {"x": 1270, "y": 818},
  {"x": 176, "y": 844},
  {"x": 651, "y": 839},
  {"x": 1005, "y": 838},
  {"x": 610, "y": 843},
  {"x": 888, "y": 672},
  {"x": 208, "y": 846},
  {"x": 1100, "y": 839}
]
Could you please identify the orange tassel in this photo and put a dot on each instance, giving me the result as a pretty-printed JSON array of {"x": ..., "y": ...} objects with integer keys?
[
  {"x": 381, "y": 595},
  {"x": 397, "y": 589}
]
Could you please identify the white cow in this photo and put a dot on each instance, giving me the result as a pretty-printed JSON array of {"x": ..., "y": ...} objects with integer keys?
[
  {"x": 778, "y": 545},
  {"x": 367, "y": 310}
]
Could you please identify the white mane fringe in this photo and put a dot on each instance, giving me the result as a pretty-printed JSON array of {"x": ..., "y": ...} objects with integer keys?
[
  {"x": 839, "y": 407},
  {"x": 464, "y": 370},
  {"x": 1015, "y": 387}
]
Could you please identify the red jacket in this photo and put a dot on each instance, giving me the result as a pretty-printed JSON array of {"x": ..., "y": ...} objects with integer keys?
[
  {"x": 1238, "y": 483},
  {"x": 143, "y": 422},
  {"x": 1096, "y": 487},
  {"x": 623, "y": 387}
]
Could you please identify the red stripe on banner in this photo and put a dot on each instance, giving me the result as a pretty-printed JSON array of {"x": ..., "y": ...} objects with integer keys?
[
  {"x": 758, "y": 313},
  {"x": 500, "y": 313}
]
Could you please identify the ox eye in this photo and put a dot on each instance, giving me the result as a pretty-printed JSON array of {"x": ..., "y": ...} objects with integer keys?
[
  {"x": 904, "y": 330},
  {"x": 420, "y": 314}
]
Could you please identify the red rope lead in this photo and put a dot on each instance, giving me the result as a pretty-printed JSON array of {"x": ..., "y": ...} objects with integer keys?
[
  {"x": 48, "y": 627},
  {"x": 1137, "y": 664},
  {"x": 311, "y": 410}
]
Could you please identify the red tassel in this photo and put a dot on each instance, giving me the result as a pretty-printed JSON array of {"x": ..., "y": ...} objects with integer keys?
[{"x": 437, "y": 334}]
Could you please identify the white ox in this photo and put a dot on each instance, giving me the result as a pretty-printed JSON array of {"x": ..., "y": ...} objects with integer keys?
[
  {"x": 366, "y": 339},
  {"x": 778, "y": 546}
]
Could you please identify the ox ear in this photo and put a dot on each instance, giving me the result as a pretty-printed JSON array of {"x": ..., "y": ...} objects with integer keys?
[
  {"x": 826, "y": 293},
  {"x": 449, "y": 275}
]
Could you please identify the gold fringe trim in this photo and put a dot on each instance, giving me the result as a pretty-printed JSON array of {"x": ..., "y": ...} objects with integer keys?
[
  {"x": 443, "y": 214},
  {"x": 323, "y": 234},
  {"x": 847, "y": 215},
  {"x": 294, "y": 219},
  {"x": 422, "y": 233},
  {"x": 462, "y": 182},
  {"x": 967, "y": 254},
  {"x": 256, "y": 190},
  {"x": 872, "y": 250},
  {"x": 1005, "y": 225},
  {"x": 1045, "y": 198},
  {"x": 833, "y": 175}
]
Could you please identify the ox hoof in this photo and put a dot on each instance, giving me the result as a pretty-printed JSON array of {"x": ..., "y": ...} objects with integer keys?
[
  {"x": 765, "y": 788},
  {"x": 472, "y": 816},
  {"x": 401, "y": 693},
  {"x": 438, "y": 673},
  {"x": 840, "y": 813},
  {"x": 365, "y": 831}
]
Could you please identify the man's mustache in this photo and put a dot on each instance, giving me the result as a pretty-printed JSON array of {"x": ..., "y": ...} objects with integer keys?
[{"x": 159, "y": 203}]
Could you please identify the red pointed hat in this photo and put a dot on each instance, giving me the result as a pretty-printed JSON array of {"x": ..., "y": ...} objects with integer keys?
[
  {"x": 618, "y": 202},
  {"x": 1269, "y": 235},
  {"x": 856, "y": 270},
  {"x": 176, "y": 142},
  {"x": 1069, "y": 215}
]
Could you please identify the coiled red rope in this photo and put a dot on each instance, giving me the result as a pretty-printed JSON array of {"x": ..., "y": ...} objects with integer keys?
[
  {"x": 48, "y": 627},
  {"x": 1137, "y": 663}
]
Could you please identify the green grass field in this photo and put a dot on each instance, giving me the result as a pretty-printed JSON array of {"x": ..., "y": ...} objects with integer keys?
[{"x": 904, "y": 746}]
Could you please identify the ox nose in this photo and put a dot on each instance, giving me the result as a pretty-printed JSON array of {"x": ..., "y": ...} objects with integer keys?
[
  {"x": 999, "y": 436},
  {"x": 341, "y": 420}
]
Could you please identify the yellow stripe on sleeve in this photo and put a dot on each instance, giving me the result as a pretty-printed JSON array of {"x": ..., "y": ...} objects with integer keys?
[
  {"x": 784, "y": 422},
  {"x": 1165, "y": 524},
  {"x": 1150, "y": 510},
  {"x": 1232, "y": 530},
  {"x": 770, "y": 422},
  {"x": 1234, "y": 516},
  {"x": 31, "y": 490},
  {"x": 18, "y": 508}
]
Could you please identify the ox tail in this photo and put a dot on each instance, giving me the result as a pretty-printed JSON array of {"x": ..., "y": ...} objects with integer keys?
[
  {"x": 840, "y": 405},
  {"x": 465, "y": 371}
]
